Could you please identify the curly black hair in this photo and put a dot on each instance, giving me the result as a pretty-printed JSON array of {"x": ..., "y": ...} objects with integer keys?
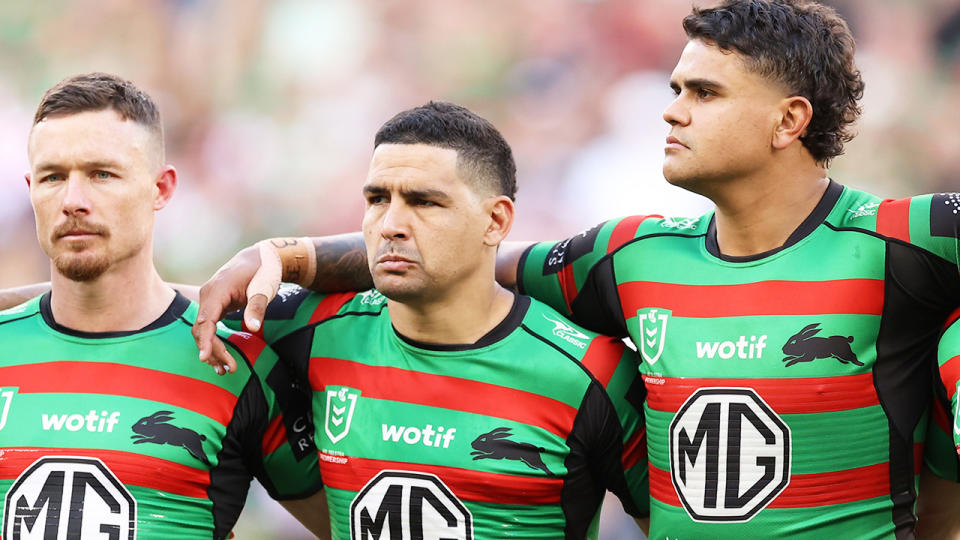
[{"x": 802, "y": 44}]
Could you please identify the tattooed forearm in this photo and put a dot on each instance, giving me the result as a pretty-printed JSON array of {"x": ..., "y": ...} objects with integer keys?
[{"x": 341, "y": 264}]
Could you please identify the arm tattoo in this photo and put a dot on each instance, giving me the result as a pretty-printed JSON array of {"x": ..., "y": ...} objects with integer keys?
[{"x": 341, "y": 264}]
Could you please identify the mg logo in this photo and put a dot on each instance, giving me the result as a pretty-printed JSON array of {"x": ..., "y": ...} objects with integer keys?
[
  {"x": 729, "y": 454},
  {"x": 69, "y": 497},
  {"x": 341, "y": 401},
  {"x": 400, "y": 505},
  {"x": 653, "y": 332}
]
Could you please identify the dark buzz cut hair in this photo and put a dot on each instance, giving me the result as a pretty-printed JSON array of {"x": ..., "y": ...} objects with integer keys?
[
  {"x": 96, "y": 92},
  {"x": 802, "y": 44},
  {"x": 481, "y": 149}
]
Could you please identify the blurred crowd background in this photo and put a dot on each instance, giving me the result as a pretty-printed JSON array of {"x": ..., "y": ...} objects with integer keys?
[{"x": 270, "y": 109}]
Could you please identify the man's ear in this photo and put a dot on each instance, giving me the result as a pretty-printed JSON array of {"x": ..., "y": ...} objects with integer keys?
[
  {"x": 166, "y": 184},
  {"x": 26, "y": 176},
  {"x": 501, "y": 211},
  {"x": 796, "y": 112}
]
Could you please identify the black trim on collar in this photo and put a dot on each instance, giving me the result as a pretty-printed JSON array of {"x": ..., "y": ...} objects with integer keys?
[
  {"x": 510, "y": 323},
  {"x": 173, "y": 312},
  {"x": 820, "y": 213}
]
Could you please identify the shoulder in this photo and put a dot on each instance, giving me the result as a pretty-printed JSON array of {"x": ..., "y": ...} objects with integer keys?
[
  {"x": 21, "y": 312},
  {"x": 596, "y": 354},
  {"x": 930, "y": 221}
]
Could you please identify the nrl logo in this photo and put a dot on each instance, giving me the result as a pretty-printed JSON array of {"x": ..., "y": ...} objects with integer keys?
[
  {"x": 653, "y": 332},
  {"x": 372, "y": 297},
  {"x": 341, "y": 402},
  {"x": 869, "y": 209}
]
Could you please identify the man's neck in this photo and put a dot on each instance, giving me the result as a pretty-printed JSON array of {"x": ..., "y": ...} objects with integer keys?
[
  {"x": 758, "y": 215},
  {"x": 461, "y": 320},
  {"x": 114, "y": 302}
]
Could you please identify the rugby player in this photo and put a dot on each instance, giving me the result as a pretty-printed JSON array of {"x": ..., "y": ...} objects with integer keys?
[
  {"x": 107, "y": 426},
  {"x": 788, "y": 337},
  {"x": 444, "y": 404}
]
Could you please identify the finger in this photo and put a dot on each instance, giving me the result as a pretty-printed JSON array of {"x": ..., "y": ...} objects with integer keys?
[
  {"x": 255, "y": 312},
  {"x": 222, "y": 358},
  {"x": 205, "y": 327},
  {"x": 265, "y": 282}
]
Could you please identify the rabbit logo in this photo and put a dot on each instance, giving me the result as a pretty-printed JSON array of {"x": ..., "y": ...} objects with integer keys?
[
  {"x": 155, "y": 429},
  {"x": 803, "y": 347},
  {"x": 653, "y": 332},
  {"x": 496, "y": 445}
]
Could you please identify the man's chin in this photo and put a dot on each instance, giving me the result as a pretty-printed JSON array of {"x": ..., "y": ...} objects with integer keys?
[
  {"x": 81, "y": 268},
  {"x": 398, "y": 289}
]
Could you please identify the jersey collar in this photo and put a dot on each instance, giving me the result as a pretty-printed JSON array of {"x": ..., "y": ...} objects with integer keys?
[
  {"x": 173, "y": 312},
  {"x": 820, "y": 213}
]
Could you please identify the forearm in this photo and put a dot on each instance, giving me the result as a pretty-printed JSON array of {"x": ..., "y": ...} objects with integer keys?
[
  {"x": 508, "y": 262},
  {"x": 326, "y": 263}
]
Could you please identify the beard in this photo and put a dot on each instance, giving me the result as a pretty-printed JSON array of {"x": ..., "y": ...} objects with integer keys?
[{"x": 81, "y": 267}]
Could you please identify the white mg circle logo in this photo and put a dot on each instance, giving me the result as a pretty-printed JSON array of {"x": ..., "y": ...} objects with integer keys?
[
  {"x": 404, "y": 505},
  {"x": 69, "y": 497},
  {"x": 729, "y": 454}
]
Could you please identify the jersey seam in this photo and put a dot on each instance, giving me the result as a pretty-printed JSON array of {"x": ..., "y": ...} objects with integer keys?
[
  {"x": 34, "y": 314},
  {"x": 569, "y": 356},
  {"x": 885, "y": 238}
]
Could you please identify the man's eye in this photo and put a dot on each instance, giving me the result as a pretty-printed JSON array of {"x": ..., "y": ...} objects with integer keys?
[
  {"x": 704, "y": 93},
  {"x": 102, "y": 175},
  {"x": 52, "y": 178},
  {"x": 424, "y": 202},
  {"x": 376, "y": 199}
]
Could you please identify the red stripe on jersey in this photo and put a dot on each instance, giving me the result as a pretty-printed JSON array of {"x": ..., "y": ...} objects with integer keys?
[
  {"x": 274, "y": 436},
  {"x": 330, "y": 305},
  {"x": 952, "y": 318},
  {"x": 950, "y": 374},
  {"x": 467, "y": 484},
  {"x": 121, "y": 380},
  {"x": 804, "y": 490},
  {"x": 625, "y": 231},
  {"x": 845, "y": 296},
  {"x": 602, "y": 358},
  {"x": 635, "y": 449},
  {"x": 940, "y": 417},
  {"x": 785, "y": 396},
  {"x": 568, "y": 285},
  {"x": 251, "y": 346},
  {"x": 442, "y": 391},
  {"x": 129, "y": 467},
  {"x": 893, "y": 219}
]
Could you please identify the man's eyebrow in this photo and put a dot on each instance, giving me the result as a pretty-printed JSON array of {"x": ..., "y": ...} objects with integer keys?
[
  {"x": 697, "y": 83},
  {"x": 431, "y": 194},
  {"x": 101, "y": 164},
  {"x": 374, "y": 190}
]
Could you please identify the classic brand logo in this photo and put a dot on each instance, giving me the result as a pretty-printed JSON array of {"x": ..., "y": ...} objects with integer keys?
[
  {"x": 155, "y": 429},
  {"x": 729, "y": 454},
  {"x": 341, "y": 401},
  {"x": 372, "y": 297},
  {"x": 396, "y": 505},
  {"x": 680, "y": 223},
  {"x": 69, "y": 497},
  {"x": 803, "y": 347},
  {"x": 869, "y": 209},
  {"x": 496, "y": 445},
  {"x": 6, "y": 397},
  {"x": 653, "y": 332},
  {"x": 568, "y": 333}
]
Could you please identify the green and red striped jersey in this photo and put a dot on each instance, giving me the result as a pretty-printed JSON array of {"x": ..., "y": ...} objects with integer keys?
[
  {"x": 945, "y": 425},
  {"x": 787, "y": 392},
  {"x": 127, "y": 435},
  {"x": 518, "y": 435}
]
